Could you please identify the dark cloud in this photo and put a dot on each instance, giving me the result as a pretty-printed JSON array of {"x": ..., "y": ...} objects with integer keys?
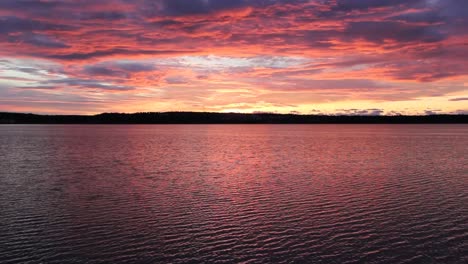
[
  {"x": 360, "y": 112},
  {"x": 176, "y": 80},
  {"x": 32, "y": 4},
  {"x": 460, "y": 112},
  {"x": 427, "y": 70},
  {"x": 42, "y": 87},
  {"x": 123, "y": 70},
  {"x": 42, "y": 41},
  {"x": 197, "y": 7},
  {"x": 432, "y": 112},
  {"x": 453, "y": 9},
  {"x": 106, "y": 16},
  {"x": 430, "y": 16},
  {"x": 459, "y": 99},
  {"x": 349, "y": 5},
  {"x": 109, "y": 52},
  {"x": 84, "y": 84},
  {"x": 12, "y": 24},
  {"x": 135, "y": 67},
  {"x": 385, "y": 30},
  {"x": 103, "y": 71},
  {"x": 280, "y": 25},
  {"x": 297, "y": 84}
]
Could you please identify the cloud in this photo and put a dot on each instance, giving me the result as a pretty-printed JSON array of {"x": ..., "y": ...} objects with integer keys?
[
  {"x": 42, "y": 41},
  {"x": 256, "y": 54},
  {"x": 12, "y": 24},
  {"x": 428, "y": 17},
  {"x": 82, "y": 84},
  {"x": 350, "y": 5},
  {"x": 459, "y": 99},
  {"x": 176, "y": 80},
  {"x": 197, "y": 7},
  {"x": 460, "y": 112},
  {"x": 360, "y": 112},
  {"x": 119, "y": 69},
  {"x": 432, "y": 112},
  {"x": 108, "y": 53},
  {"x": 381, "y": 31}
]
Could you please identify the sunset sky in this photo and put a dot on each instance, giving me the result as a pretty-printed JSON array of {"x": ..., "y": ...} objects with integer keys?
[{"x": 305, "y": 56}]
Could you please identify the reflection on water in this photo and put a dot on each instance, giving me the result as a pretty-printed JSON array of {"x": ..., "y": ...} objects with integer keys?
[{"x": 234, "y": 193}]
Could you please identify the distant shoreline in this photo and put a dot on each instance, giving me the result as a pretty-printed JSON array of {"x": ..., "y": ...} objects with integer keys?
[{"x": 224, "y": 118}]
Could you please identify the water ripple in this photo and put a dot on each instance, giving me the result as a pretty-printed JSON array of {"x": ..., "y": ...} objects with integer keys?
[{"x": 234, "y": 194}]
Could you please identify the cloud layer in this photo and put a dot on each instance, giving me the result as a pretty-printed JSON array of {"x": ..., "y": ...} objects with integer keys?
[{"x": 233, "y": 55}]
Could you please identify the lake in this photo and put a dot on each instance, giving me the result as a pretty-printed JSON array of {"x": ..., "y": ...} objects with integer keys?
[{"x": 234, "y": 194}]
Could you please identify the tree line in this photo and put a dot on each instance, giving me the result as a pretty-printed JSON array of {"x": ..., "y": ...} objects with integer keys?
[{"x": 224, "y": 118}]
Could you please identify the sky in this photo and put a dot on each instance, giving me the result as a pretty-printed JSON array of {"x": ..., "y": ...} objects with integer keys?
[{"x": 367, "y": 57}]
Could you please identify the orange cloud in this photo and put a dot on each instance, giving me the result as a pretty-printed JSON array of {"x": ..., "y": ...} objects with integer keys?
[{"x": 93, "y": 56}]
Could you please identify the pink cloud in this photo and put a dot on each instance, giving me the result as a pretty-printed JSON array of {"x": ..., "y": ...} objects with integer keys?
[{"x": 130, "y": 51}]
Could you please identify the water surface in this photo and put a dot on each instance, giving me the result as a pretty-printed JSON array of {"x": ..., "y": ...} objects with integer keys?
[{"x": 234, "y": 193}]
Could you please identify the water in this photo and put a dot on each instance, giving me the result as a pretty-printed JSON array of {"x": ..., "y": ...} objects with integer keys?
[{"x": 234, "y": 194}]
